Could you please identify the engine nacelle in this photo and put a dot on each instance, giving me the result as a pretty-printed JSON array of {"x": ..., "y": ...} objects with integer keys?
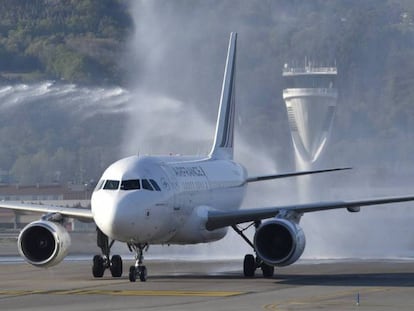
[
  {"x": 279, "y": 242},
  {"x": 43, "y": 243}
]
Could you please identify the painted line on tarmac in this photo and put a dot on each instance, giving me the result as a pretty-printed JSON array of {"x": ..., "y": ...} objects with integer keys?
[{"x": 171, "y": 293}]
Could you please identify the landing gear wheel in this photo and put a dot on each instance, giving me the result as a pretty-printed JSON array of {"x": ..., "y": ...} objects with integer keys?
[
  {"x": 135, "y": 272},
  {"x": 139, "y": 270},
  {"x": 267, "y": 270},
  {"x": 116, "y": 266},
  {"x": 98, "y": 267},
  {"x": 132, "y": 274},
  {"x": 142, "y": 272},
  {"x": 249, "y": 266},
  {"x": 103, "y": 262}
]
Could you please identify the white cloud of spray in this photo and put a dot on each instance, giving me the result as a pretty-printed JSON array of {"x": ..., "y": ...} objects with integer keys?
[
  {"x": 162, "y": 125},
  {"x": 81, "y": 102},
  {"x": 161, "y": 122},
  {"x": 176, "y": 61}
]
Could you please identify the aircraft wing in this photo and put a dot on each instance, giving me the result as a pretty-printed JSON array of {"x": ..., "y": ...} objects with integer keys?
[
  {"x": 218, "y": 219},
  {"x": 83, "y": 214},
  {"x": 284, "y": 175}
]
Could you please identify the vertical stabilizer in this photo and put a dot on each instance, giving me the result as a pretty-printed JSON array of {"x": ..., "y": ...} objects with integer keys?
[{"x": 223, "y": 141}]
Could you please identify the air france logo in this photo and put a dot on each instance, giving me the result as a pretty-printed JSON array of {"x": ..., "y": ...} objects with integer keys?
[{"x": 193, "y": 171}]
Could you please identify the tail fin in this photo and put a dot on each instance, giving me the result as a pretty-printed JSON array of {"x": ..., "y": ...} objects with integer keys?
[{"x": 223, "y": 141}]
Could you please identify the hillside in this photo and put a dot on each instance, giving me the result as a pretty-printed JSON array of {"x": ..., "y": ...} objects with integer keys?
[{"x": 70, "y": 40}]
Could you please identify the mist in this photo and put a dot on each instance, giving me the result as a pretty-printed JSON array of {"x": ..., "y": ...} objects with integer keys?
[
  {"x": 176, "y": 61},
  {"x": 82, "y": 102}
]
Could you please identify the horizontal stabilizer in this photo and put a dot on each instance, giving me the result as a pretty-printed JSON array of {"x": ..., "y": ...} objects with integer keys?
[{"x": 293, "y": 174}]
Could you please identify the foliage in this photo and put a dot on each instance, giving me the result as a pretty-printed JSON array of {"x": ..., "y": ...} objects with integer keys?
[{"x": 39, "y": 35}]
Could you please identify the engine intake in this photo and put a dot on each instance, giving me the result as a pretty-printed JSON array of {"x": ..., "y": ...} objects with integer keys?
[
  {"x": 43, "y": 243},
  {"x": 279, "y": 242}
]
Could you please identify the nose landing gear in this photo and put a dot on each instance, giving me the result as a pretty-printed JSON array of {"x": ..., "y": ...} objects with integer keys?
[{"x": 138, "y": 270}]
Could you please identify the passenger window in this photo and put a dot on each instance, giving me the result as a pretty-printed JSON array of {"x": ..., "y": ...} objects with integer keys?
[
  {"x": 155, "y": 185},
  {"x": 111, "y": 185},
  {"x": 146, "y": 185},
  {"x": 132, "y": 184}
]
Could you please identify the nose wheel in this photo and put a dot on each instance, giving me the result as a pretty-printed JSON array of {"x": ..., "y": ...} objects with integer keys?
[{"x": 138, "y": 271}]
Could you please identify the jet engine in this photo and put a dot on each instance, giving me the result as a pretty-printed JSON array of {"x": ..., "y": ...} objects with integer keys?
[
  {"x": 279, "y": 242},
  {"x": 43, "y": 243}
]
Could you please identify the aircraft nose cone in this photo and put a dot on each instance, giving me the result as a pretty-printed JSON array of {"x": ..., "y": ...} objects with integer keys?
[
  {"x": 125, "y": 217},
  {"x": 107, "y": 213},
  {"x": 115, "y": 216}
]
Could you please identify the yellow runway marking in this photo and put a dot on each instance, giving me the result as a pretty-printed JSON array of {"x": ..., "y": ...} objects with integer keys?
[{"x": 121, "y": 293}]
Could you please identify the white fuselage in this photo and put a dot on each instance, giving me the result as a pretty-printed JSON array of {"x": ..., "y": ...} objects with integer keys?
[{"x": 165, "y": 200}]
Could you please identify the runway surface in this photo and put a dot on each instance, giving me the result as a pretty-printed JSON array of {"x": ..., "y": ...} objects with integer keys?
[{"x": 211, "y": 285}]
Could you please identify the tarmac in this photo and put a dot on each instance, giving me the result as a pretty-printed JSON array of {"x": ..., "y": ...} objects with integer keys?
[{"x": 210, "y": 285}]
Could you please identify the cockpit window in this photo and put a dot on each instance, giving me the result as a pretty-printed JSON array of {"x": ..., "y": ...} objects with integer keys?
[
  {"x": 132, "y": 184},
  {"x": 146, "y": 185},
  {"x": 111, "y": 185},
  {"x": 155, "y": 185},
  {"x": 99, "y": 185}
]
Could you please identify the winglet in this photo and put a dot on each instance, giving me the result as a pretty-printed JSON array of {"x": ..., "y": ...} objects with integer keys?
[{"x": 223, "y": 141}]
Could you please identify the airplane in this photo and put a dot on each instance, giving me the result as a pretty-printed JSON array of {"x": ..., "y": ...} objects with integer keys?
[{"x": 164, "y": 200}]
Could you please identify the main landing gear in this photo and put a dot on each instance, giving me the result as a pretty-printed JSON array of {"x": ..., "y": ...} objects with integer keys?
[
  {"x": 138, "y": 270},
  {"x": 251, "y": 263},
  {"x": 103, "y": 262}
]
